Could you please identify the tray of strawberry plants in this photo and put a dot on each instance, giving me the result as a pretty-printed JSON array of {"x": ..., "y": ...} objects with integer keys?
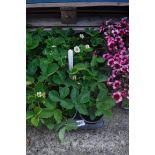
[{"x": 66, "y": 96}]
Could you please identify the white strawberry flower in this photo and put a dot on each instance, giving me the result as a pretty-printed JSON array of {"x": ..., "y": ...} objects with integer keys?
[
  {"x": 87, "y": 46},
  {"x": 39, "y": 94},
  {"x": 81, "y": 36},
  {"x": 77, "y": 49}
]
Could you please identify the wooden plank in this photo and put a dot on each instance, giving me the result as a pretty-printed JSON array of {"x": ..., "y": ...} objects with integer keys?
[
  {"x": 111, "y": 9},
  {"x": 44, "y": 20},
  {"x": 68, "y": 15},
  {"x": 77, "y": 29},
  {"x": 86, "y": 20},
  {"x": 76, "y": 4}
]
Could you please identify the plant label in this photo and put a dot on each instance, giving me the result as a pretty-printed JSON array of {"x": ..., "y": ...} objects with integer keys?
[{"x": 80, "y": 123}]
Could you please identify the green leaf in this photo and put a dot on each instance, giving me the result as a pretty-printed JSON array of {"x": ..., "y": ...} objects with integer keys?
[
  {"x": 93, "y": 61},
  {"x": 91, "y": 31},
  {"x": 59, "y": 78},
  {"x": 125, "y": 103},
  {"x": 58, "y": 116},
  {"x": 102, "y": 78},
  {"x": 29, "y": 80},
  {"x": 29, "y": 114},
  {"x": 71, "y": 124},
  {"x": 56, "y": 79},
  {"x": 37, "y": 110},
  {"x": 85, "y": 94},
  {"x": 68, "y": 82},
  {"x": 35, "y": 121},
  {"x": 64, "y": 91},
  {"x": 30, "y": 98},
  {"x": 84, "y": 97},
  {"x": 101, "y": 96},
  {"x": 79, "y": 67},
  {"x": 41, "y": 78},
  {"x": 100, "y": 60},
  {"x": 52, "y": 68},
  {"x": 28, "y": 39},
  {"x": 32, "y": 67},
  {"x": 63, "y": 53},
  {"x": 49, "y": 104},
  {"x": 32, "y": 41},
  {"x": 44, "y": 65},
  {"x": 96, "y": 41},
  {"x": 55, "y": 54},
  {"x": 62, "y": 134},
  {"x": 74, "y": 94},
  {"x": 102, "y": 87},
  {"x": 62, "y": 75},
  {"x": 92, "y": 115},
  {"x": 67, "y": 104},
  {"x": 39, "y": 87},
  {"x": 46, "y": 113},
  {"x": 107, "y": 112},
  {"x": 109, "y": 103},
  {"x": 54, "y": 96},
  {"x": 35, "y": 42},
  {"x": 93, "y": 86},
  {"x": 99, "y": 112},
  {"x": 50, "y": 125},
  {"x": 82, "y": 109}
]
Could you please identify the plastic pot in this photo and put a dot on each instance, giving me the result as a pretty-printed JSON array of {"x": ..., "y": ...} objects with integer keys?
[
  {"x": 123, "y": 107},
  {"x": 88, "y": 120}
]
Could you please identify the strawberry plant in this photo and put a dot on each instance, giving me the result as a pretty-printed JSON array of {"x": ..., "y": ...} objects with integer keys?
[{"x": 55, "y": 93}]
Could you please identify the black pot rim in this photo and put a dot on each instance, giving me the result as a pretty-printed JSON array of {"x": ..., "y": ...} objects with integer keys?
[
  {"x": 91, "y": 122},
  {"x": 125, "y": 108}
]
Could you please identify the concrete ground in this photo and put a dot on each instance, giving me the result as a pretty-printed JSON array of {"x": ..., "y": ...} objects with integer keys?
[{"x": 112, "y": 139}]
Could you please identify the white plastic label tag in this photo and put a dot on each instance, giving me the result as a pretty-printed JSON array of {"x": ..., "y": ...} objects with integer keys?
[
  {"x": 80, "y": 123},
  {"x": 70, "y": 59}
]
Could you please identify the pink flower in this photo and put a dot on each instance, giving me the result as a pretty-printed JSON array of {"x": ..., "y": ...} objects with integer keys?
[
  {"x": 115, "y": 32},
  {"x": 116, "y": 84},
  {"x": 117, "y": 66},
  {"x": 123, "y": 51},
  {"x": 110, "y": 40},
  {"x": 116, "y": 35},
  {"x": 107, "y": 56},
  {"x": 105, "y": 33},
  {"x": 125, "y": 68},
  {"x": 110, "y": 62},
  {"x": 117, "y": 96},
  {"x": 115, "y": 73},
  {"x": 123, "y": 93},
  {"x": 110, "y": 80}
]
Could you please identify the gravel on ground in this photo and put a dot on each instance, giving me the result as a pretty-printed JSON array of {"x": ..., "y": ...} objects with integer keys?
[{"x": 112, "y": 139}]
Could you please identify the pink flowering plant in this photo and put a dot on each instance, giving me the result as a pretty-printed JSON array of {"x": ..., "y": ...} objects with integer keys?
[{"x": 116, "y": 35}]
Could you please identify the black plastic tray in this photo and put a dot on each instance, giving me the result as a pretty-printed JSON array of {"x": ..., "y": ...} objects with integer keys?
[{"x": 82, "y": 124}]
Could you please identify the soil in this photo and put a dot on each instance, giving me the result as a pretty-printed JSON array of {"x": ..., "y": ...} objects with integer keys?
[{"x": 112, "y": 139}]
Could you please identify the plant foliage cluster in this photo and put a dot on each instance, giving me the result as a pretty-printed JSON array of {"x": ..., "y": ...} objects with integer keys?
[{"x": 55, "y": 94}]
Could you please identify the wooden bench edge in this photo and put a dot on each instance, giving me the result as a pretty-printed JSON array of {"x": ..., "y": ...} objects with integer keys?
[{"x": 75, "y": 4}]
